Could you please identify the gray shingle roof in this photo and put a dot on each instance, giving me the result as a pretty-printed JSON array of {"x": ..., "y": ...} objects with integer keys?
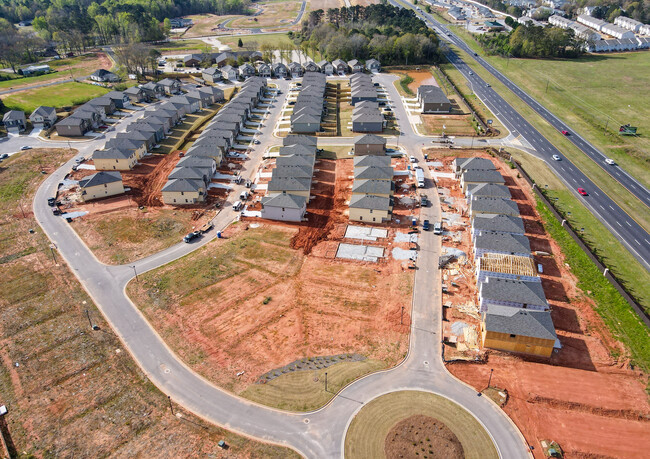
[
  {"x": 196, "y": 161},
  {"x": 367, "y": 118},
  {"x": 292, "y": 171},
  {"x": 289, "y": 184},
  {"x": 294, "y": 160},
  {"x": 371, "y": 160},
  {"x": 489, "y": 190},
  {"x": 122, "y": 142},
  {"x": 112, "y": 153},
  {"x": 497, "y": 289},
  {"x": 299, "y": 140},
  {"x": 500, "y": 223},
  {"x": 183, "y": 185},
  {"x": 483, "y": 176},
  {"x": 494, "y": 206},
  {"x": 432, "y": 94},
  {"x": 372, "y": 172},
  {"x": 100, "y": 178},
  {"x": 372, "y": 186},
  {"x": 287, "y": 200},
  {"x": 369, "y": 139},
  {"x": 187, "y": 173},
  {"x": 521, "y": 322},
  {"x": 502, "y": 242},
  {"x": 303, "y": 150},
  {"x": 365, "y": 201},
  {"x": 44, "y": 111},
  {"x": 477, "y": 163},
  {"x": 14, "y": 115}
]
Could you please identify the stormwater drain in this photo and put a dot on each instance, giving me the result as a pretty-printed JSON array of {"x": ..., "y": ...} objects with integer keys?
[
  {"x": 426, "y": 362},
  {"x": 306, "y": 421},
  {"x": 167, "y": 370}
]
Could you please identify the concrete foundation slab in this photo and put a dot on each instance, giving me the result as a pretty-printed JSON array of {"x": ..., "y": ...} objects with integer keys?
[
  {"x": 365, "y": 233},
  {"x": 359, "y": 252}
]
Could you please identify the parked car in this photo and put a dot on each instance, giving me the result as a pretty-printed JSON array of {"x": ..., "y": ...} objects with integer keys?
[
  {"x": 425, "y": 225},
  {"x": 191, "y": 236},
  {"x": 556, "y": 157},
  {"x": 437, "y": 228},
  {"x": 237, "y": 206},
  {"x": 25, "y": 147},
  {"x": 249, "y": 183},
  {"x": 256, "y": 142},
  {"x": 582, "y": 191},
  {"x": 610, "y": 161},
  {"x": 413, "y": 159},
  {"x": 4, "y": 156},
  {"x": 243, "y": 195},
  {"x": 51, "y": 202},
  {"x": 424, "y": 200}
]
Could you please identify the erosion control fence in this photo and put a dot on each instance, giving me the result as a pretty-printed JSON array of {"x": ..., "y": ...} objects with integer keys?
[{"x": 567, "y": 226}]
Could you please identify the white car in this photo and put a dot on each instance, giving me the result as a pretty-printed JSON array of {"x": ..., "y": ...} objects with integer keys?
[
  {"x": 412, "y": 159},
  {"x": 610, "y": 161},
  {"x": 25, "y": 147},
  {"x": 556, "y": 157}
]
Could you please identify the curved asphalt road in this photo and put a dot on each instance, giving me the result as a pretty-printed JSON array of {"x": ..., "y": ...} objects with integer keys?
[
  {"x": 623, "y": 226},
  {"x": 319, "y": 434}
]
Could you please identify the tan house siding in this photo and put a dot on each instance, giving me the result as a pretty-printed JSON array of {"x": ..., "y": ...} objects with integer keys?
[
  {"x": 368, "y": 215},
  {"x": 115, "y": 164},
  {"x": 182, "y": 198},
  {"x": 102, "y": 191},
  {"x": 367, "y": 149},
  {"x": 517, "y": 343}
]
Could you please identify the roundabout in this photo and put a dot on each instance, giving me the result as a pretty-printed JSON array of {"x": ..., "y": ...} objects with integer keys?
[{"x": 416, "y": 424}]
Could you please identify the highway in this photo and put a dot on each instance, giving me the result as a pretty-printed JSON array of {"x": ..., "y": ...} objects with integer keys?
[{"x": 623, "y": 226}]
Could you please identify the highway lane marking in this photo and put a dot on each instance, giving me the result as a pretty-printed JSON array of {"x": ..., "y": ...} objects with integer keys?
[
  {"x": 637, "y": 242},
  {"x": 601, "y": 207},
  {"x": 619, "y": 224},
  {"x": 611, "y": 207},
  {"x": 628, "y": 223}
]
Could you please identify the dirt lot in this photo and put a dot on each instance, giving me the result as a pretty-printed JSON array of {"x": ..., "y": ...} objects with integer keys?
[
  {"x": 73, "y": 392},
  {"x": 426, "y": 436},
  {"x": 585, "y": 397},
  {"x": 420, "y": 77},
  {"x": 286, "y": 305},
  {"x": 273, "y": 14}
]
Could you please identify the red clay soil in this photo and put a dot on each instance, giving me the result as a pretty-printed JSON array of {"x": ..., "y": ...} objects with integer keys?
[
  {"x": 422, "y": 433},
  {"x": 420, "y": 77},
  {"x": 331, "y": 190},
  {"x": 148, "y": 178},
  {"x": 585, "y": 397}
]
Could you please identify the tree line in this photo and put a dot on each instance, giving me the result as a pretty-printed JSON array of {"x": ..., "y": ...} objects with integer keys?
[
  {"x": 533, "y": 42},
  {"x": 381, "y": 31}
]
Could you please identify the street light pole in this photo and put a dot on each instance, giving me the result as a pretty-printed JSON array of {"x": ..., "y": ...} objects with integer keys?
[
  {"x": 136, "y": 274},
  {"x": 490, "y": 378},
  {"x": 170, "y": 404},
  {"x": 401, "y": 319},
  {"x": 325, "y": 381},
  {"x": 89, "y": 321}
]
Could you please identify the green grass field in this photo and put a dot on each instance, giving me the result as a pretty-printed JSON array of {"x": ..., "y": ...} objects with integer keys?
[
  {"x": 62, "y": 95},
  {"x": 260, "y": 39},
  {"x": 620, "y": 262},
  {"x": 594, "y": 95},
  {"x": 305, "y": 390},
  {"x": 367, "y": 433}
]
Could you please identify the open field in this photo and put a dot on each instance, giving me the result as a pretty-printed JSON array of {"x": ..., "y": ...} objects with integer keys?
[
  {"x": 205, "y": 24},
  {"x": 260, "y": 39},
  {"x": 630, "y": 204},
  {"x": 176, "y": 46},
  {"x": 129, "y": 233},
  {"x": 273, "y": 14},
  {"x": 620, "y": 262},
  {"x": 367, "y": 434},
  {"x": 73, "y": 392},
  {"x": 250, "y": 303},
  {"x": 64, "y": 95},
  {"x": 74, "y": 67},
  {"x": 594, "y": 94}
]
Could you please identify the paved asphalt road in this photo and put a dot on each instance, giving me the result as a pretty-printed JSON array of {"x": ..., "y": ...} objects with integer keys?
[
  {"x": 318, "y": 434},
  {"x": 622, "y": 225}
]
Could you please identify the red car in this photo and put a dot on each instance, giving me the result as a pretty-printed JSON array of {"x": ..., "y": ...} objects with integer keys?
[
  {"x": 582, "y": 192},
  {"x": 565, "y": 132}
]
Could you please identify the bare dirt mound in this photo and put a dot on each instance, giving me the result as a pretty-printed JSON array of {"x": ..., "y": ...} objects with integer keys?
[
  {"x": 422, "y": 436},
  {"x": 147, "y": 180},
  {"x": 330, "y": 190}
]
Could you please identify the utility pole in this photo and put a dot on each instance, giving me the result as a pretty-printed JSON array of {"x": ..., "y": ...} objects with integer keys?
[
  {"x": 136, "y": 274},
  {"x": 170, "y": 404},
  {"x": 53, "y": 255},
  {"x": 89, "y": 321},
  {"x": 490, "y": 378},
  {"x": 325, "y": 381},
  {"x": 401, "y": 319}
]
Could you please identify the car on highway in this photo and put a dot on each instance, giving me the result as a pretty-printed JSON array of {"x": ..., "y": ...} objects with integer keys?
[
  {"x": 488, "y": 85},
  {"x": 25, "y": 147},
  {"x": 471, "y": 73},
  {"x": 556, "y": 157},
  {"x": 475, "y": 54},
  {"x": 565, "y": 132},
  {"x": 582, "y": 192},
  {"x": 191, "y": 236},
  {"x": 610, "y": 161},
  {"x": 425, "y": 225}
]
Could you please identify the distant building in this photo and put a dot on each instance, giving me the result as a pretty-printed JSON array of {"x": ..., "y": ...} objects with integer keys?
[
  {"x": 432, "y": 99},
  {"x": 14, "y": 121},
  {"x": 35, "y": 69},
  {"x": 284, "y": 206},
  {"x": 369, "y": 208},
  {"x": 43, "y": 117},
  {"x": 369, "y": 144},
  {"x": 104, "y": 76}
]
